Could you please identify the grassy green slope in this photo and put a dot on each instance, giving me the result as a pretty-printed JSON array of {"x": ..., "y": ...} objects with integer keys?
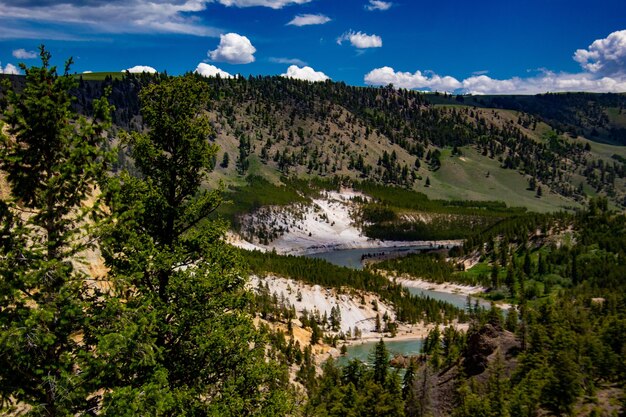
[{"x": 465, "y": 178}]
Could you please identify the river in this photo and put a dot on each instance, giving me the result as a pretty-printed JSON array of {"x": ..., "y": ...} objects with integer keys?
[
  {"x": 352, "y": 258},
  {"x": 363, "y": 351}
]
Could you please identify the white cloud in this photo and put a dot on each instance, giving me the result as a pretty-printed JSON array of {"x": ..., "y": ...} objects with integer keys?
[
  {"x": 378, "y": 5},
  {"x": 309, "y": 19},
  {"x": 9, "y": 69},
  {"x": 361, "y": 40},
  {"x": 207, "y": 70},
  {"x": 305, "y": 73},
  {"x": 112, "y": 16},
  {"x": 274, "y": 4},
  {"x": 140, "y": 69},
  {"x": 482, "y": 84},
  {"x": 545, "y": 82},
  {"x": 290, "y": 61},
  {"x": 87, "y": 72},
  {"x": 234, "y": 49},
  {"x": 387, "y": 75},
  {"x": 605, "y": 56},
  {"x": 24, "y": 54},
  {"x": 604, "y": 65}
]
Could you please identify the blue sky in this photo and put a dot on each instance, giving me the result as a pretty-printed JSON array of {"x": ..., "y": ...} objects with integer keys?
[{"x": 481, "y": 46}]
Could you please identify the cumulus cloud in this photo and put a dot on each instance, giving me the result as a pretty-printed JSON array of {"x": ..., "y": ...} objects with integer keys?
[
  {"x": 361, "y": 40},
  {"x": 87, "y": 72},
  {"x": 546, "y": 82},
  {"x": 603, "y": 62},
  {"x": 24, "y": 54},
  {"x": 111, "y": 16},
  {"x": 207, "y": 70},
  {"x": 9, "y": 69},
  {"x": 140, "y": 69},
  {"x": 274, "y": 4},
  {"x": 290, "y": 61},
  {"x": 305, "y": 73},
  {"x": 482, "y": 84},
  {"x": 387, "y": 75},
  {"x": 234, "y": 49},
  {"x": 605, "y": 56},
  {"x": 309, "y": 19},
  {"x": 378, "y": 5}
]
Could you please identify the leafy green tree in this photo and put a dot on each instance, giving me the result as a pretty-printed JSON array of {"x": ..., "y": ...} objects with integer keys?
[
  {"x": 180, "y": 342},
  {"x": 52, "y": 159}
]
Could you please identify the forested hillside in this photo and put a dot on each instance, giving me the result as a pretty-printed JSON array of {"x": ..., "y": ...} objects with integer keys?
[
  {"x": 599, "y": 117},
  {"x": 560, "y": 352},
  {"x": 272, "y": 126}
]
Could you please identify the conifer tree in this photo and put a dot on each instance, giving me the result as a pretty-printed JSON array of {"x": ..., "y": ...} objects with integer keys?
[
  {"x": 52, "y": 159},
  {"x": 181, "y": 341},
  {"x": 380, "y": 358}
]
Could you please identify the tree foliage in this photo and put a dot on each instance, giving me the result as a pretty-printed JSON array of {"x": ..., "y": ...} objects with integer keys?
[
  {"x": 52, "y": 159},
  {"x": 186, "y": 339}
]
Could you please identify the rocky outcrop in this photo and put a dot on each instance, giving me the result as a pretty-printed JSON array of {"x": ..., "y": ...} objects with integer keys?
[{"x": 483, "y": 345}]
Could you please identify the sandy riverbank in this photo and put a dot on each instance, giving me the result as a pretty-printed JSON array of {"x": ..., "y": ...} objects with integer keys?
[
  {"x": 446, "y": 287},
  {"x": 449, "y": 288}
]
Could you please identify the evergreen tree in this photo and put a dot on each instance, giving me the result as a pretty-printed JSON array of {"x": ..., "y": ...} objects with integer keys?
[
  {"x": 564, "y": 383},
  {"x": 226, "y": 160},
  {"x": 497, "y": 387},
  {"x": 53, "y": 160},
  {"x": 380, "y": 359},
  {"x": 180, "y": 342},
  {"x": 409, "y": 378},
  {"x": 528, "y": 266}
]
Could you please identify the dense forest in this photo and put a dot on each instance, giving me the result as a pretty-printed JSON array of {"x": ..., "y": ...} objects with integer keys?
[{"x": 561, "y": 352}]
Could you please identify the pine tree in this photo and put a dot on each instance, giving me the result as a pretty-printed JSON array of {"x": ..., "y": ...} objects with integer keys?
[
  {"x": 226, "y": 160},
  {"x": 380, "y": 359},
  {"x": 180, "y": 341},
  {"x": 53, "y": 160},
  {"x": 497, "y": 387},
  {"x": 528, "y": 266}
]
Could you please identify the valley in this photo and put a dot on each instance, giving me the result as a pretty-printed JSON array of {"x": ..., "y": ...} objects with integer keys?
[{"x": 322, "y": 240}]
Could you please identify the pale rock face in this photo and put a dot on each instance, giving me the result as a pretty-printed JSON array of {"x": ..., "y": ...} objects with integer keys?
[
  {"x": 314, "y": 297},
  {"x": 325, "y": 225}
]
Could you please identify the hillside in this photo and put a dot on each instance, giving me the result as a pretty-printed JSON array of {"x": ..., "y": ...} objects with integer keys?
[
  {"x": 476, "y": 148},
  {"x": 600, "y": 117}
]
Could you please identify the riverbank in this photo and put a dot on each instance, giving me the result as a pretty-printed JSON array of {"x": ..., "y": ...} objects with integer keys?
[
  {"x": 474, "y": 291},
  {"x": 445, "y": 287}
]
